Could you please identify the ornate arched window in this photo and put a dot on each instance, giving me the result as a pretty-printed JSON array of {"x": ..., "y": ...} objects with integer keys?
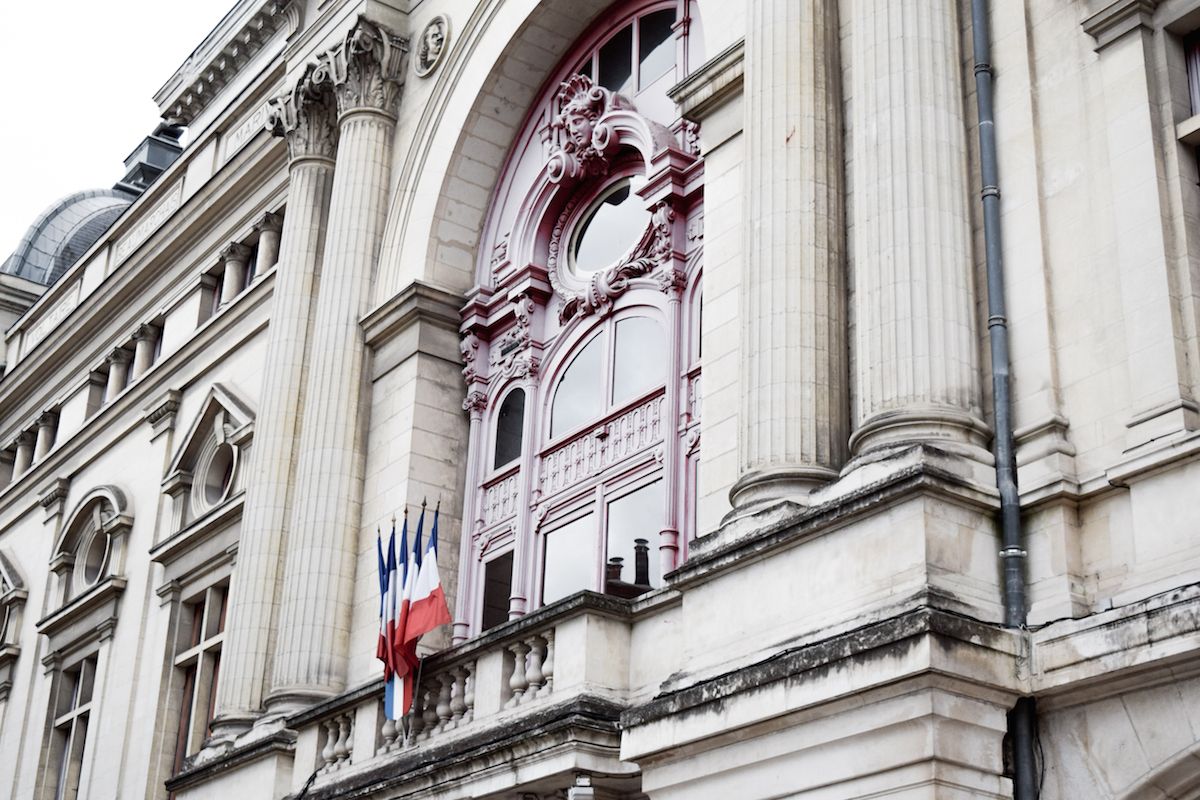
[
  {"x": 580, "y": 339},
  {"x": 91, "y": 548}
]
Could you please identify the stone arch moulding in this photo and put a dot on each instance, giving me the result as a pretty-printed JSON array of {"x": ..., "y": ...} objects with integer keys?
[
  {"x": 479, "y": 95},
  {"x": 1177, "y": 777}
]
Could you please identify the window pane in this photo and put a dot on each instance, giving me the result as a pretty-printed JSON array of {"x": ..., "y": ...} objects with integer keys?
[
  {"x": 509, "y": 423},
  {"x": 570, "y": 559},
  {"x": 497, "y": 589},
  {"x": 611, "y": 229},
  {"x": 579, "y": 397},
  {"x": 656, "y": 45},
  {"x": 639, "y": 360},
  {"x": 634, "y": 522},
  {"x": 616, "y": 62}
]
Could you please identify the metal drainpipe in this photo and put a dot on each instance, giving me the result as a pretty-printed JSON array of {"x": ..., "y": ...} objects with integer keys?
[{"x": 1022, "y": 719}]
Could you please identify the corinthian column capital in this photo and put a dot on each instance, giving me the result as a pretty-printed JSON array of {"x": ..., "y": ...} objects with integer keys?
[
  {"x": 307, "y": 117},
  {"x": 365, "y": 69}
]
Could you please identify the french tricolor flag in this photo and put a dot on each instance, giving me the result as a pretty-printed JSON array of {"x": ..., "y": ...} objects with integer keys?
[
  {"x": 390, "y": 587},
  {"x": 421, "y": 606}
]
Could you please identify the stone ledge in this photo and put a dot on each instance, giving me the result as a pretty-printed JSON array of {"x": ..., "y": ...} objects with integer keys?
[
  {"x": 892, "y": 636},
  {"x": 1117, "y": 19},
  {"x": 713, "y": 84},
  {"x": 586, "y": 722},
  {"x": 281, "y": 741},
  {"x": 786, "y": 524},
  {"x": 1134, "y": 646}
]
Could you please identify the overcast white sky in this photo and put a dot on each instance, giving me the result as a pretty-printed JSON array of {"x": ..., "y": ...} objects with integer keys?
[{"x": 77, "y": 97}]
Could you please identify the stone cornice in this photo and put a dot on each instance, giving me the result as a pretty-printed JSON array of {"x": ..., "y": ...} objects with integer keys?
[
  {"x": 715, "y": 83},
  {"x": 867, "y": 643},
  {"x": 214, "y": 65},
  {"x": 1118, "y": 18}
]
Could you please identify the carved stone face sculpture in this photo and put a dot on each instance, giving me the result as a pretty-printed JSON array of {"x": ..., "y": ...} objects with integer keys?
[
  {"x": 580, "y": 121},
  {"x": 433, "y": 42}
]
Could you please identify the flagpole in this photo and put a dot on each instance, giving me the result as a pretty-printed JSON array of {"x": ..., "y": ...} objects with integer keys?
[{"x": 412, "y": 710}]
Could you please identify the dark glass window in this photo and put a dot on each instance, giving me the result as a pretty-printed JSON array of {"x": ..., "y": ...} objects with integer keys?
[
  {"x": 509, "y": 425},
  {"x": 656, "y": 46},
  {"x": 616, "y": 62},
  {"x": 497, "y": 588}
]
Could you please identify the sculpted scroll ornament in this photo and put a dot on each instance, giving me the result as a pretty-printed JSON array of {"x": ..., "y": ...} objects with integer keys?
[
  {"x": 307, "y": 118},
  {"x": 366, "y": 69},
  {"x": 582, "y": 137},
  {"x": 652, "y": 251}
]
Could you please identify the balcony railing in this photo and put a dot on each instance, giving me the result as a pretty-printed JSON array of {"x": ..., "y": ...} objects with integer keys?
[{"x": 493, "y": 683}]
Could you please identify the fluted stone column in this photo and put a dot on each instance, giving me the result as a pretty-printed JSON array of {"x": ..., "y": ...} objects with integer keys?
[
  {"x": 47, "y": 429},
  {"x": 916, "y": 366},
  {"x": 365, "y": 72},
  {"x": 118, "y": 373},
  {"x": 794, "y": 424},
  {"x": 269, "y": 229},
  {"x": 24, "y": 456},
  {"x": 307, "y": 119},
  {"x": 145, "y": 341},
  {"x": 236, "y": 256}
]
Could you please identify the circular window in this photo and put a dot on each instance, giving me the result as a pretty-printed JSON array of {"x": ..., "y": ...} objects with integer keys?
[
  {"x": 610, "y": 228},
  {"x": 219, "y": 475}
]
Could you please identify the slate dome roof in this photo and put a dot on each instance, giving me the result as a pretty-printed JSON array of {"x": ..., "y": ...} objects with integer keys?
[{"x": 63, "y": 232}]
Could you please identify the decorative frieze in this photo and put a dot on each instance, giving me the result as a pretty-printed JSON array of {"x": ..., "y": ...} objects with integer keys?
[{"x": 626, "y": 435}]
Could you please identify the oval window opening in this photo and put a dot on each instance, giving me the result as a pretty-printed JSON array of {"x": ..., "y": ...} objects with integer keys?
[
  {"x": 219, "y": 475},
  {"x": 611, "y": 228},
  {"x": 93, "y": 559}
]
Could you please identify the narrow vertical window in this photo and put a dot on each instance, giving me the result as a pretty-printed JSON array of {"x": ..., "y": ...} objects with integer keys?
[
  {"x": 509, "y": 428},
  {"x": 497, "y": 588},
  {"x": 198, "y": 663},
  {"x": 73, "y": 707}
]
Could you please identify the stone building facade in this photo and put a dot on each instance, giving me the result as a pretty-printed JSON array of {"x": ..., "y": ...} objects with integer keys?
[{"x": 679, "y": 309}]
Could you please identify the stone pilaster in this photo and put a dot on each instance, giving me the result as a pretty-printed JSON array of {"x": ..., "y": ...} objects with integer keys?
[
  {"x": 269, "y": 229},
  {"x": 118, "y": 373},
  {"x": 24, "y": 456},
  {"x": 307, "y": 120},
  {"x": 793, "y": 415},
  {"x": 365, "y": 72},
  {"x": 145, "y": 341},
  {"x": 917, "y": 374},
  {"x": 47, "y": 430},
  {"x": 235, "y": 257}
]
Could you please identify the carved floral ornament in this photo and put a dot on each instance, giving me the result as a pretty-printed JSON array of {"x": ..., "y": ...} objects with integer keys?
[{"x": 363, "y": 71}]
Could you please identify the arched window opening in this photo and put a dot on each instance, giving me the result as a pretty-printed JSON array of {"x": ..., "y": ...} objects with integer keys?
[
  {"x": 88, "y": 551},
  {"x": 582, "y": 476},
  {"x": 579, "y": 398},
  {"x": 509, "y": 428}
]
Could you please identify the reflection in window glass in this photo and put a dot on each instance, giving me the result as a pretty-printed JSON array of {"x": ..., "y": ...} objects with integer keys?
[
  {"x": 93, "y": 559},
  {"x": 508, "y": 428},
  {"x": 638, "y": 363},
  {"x": 616, "y": 62},
  {"x": 634, "y": 522},
  {"x": 570, "y": 555},
  {"x": 656, "y": 46},
  {"x": 611, "y": 229},
  {"x": 579, "y": 397}
]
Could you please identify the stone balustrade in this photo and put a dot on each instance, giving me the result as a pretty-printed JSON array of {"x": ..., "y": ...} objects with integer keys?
[{"x": 494, "y": 680}]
